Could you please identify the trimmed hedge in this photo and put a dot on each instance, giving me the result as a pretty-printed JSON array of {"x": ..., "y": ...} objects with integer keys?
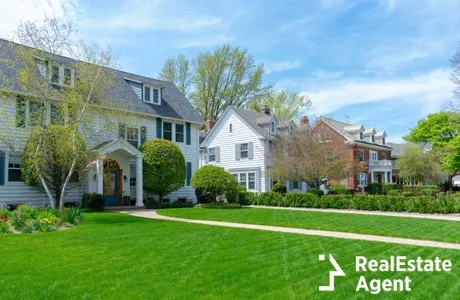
[
  {"x": 421, "y": 204},
  {"x": 152, "y": 203},
  {"x": 219, "y": 205}
]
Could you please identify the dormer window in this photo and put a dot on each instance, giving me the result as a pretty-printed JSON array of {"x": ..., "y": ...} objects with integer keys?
[
  {"x": 361, "y": 135},
  {"x": 383, "y": 140},
  {"x": 61, "y": 75},
  {"x": 151, "y": 95},
  {"x": 272, "y": 127},
  {"x": 372, "y": 138}
]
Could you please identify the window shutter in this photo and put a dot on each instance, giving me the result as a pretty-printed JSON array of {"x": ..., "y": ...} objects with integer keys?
[
  {"x": 217, "y": 154},
  {"x": 121, "y": 130},
  {"x": 237, "y": 151},
  {"x": 2, "y": 168},
  {"x": 289, "y": 185},
  {"x": 189, "y": 172},
  {"x": 143, "y": 134},
  {"x": 188, "y": 133},
  {"x": 206, "y": 155},
  {"x": 250, "y": 152},
  {"x": 159, "y": 129}
]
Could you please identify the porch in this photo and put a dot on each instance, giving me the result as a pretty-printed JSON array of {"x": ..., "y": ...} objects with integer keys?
[{"x": 110, "y": 173}]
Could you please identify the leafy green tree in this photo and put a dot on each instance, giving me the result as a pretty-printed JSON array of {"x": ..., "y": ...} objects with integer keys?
[
  {"x": 455, "y": 63},
  {"x": 285, "y": 104},
  {"x": 59, "y": 154},
  {"x": 177, "y": 70},
  {"x": 164, "y": 167},
  {"x": 224, "y": 77},
  {"x": 416, "y": 162},
  {"x": 439, "y": 134},
  {"x": 214, "y": 181}
]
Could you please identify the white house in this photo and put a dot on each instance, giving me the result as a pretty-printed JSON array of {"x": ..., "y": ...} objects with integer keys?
[
  {"x": 241, "y": 142},
  {"x": 145, "y": 109}
]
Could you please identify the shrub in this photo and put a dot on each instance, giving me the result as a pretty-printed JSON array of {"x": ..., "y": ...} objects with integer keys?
[
  {"x": 93, "y": 202},
  {"x": 26, "y": 229},
  {"x": 4, "y": 214},
  {"x": 26, "y": 212},
  {"x": 246, "y": 198},
  {"x": 4, "y": 227},
  {"x": 219, "y": 205},
  {"x": 269, "y": 199},
  {"x": 300, "y": 199},
  {"x": 233, "y": 195},
  {"x": 202, "y": 197},
  {"x": 393, "y": 193},
  {"x": 407, "y": 194},
  {"x": 213, "y": 180},
  {"x": 279, "y": 188},
  {"x": 375, "y": 188},
  {"x": 150, "y": 203},
  {"x": 317, "y": 192},
  {"x": 338, "y": 189},
  {"x": 72, "y": 215},
  {"x": 164, "y": 167}
]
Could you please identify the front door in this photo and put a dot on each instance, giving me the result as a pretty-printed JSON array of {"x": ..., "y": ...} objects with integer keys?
[{"x": 111, "y": 187}]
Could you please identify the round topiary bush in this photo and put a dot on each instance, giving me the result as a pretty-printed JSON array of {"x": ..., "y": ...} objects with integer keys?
[
  {"x": 279, "y": 188},
  {"x": 164, "y": 167},
  {"x": 214, "y": 181}
]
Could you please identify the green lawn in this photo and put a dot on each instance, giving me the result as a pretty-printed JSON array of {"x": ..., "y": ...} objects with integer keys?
[
  {"x": 115, "y": 256},
  {"x": 436, "y": 230}
]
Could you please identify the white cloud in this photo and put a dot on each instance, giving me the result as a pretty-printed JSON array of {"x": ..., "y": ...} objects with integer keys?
[
  {"x": 13, "y": 12},
  {"x": 279, "y": 66},
  {"x": 326, "y": 75},
  {"x": 430, "y": 91}
]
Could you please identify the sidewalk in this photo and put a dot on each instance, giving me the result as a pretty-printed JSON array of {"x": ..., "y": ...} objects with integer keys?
[
  {"x": 446, "y": 217},
  {"x": 152, "y": 214}
]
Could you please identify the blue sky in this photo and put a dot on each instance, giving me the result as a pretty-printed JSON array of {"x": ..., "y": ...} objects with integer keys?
[{"x": 382, "y": 63}]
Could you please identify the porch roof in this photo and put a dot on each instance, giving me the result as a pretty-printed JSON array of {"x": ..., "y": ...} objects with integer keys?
[{"x": 118, "y": 144}]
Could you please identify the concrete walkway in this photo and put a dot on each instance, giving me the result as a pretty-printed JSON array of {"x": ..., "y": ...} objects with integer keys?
[
  {"x": 446, "y": 217},
  {"x": 152, "y": 214}
]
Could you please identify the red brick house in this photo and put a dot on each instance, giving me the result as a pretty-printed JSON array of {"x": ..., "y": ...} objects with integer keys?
[{"x": 365, "y": 147}]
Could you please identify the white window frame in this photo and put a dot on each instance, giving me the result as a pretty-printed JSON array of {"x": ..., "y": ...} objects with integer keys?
[
  {"x": 246, "y": 175},
  {"x": 362, "y": 179},
  {"x": 175, "y": 132},
  {"x": 361, "y": 135},
  {"x": 383, "y": 140},
  {"x": 212, "y": 154},
  {"x": 273, "y": 127},
  {"x": 151, "y": 98},
  {"x": 163, "y": 130},
  {"x": 359, "y": 156},
  {"x": 61, "y": 75},
  {"x": 293, "y": 185},
  {"x": 373, "y": 155},
  {"x": 129, "y": 136},
  {"x": 372, "y": 138},
  {"x": 246, "y": 150}
]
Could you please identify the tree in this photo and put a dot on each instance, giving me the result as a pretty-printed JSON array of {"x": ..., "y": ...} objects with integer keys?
[
  {"x": 227, "y": 76},
  {"x": 177, "y": 70},
  {"x": 305, "y": 157},
  {"x": 285, "y": 104},
  {"x": 416, "y": 162},
  {"x": 164, "y": 167},
  {"x": 214, "y": 181},
  {"x": 439, "y": 133},
  {"x": 55, "y": 160},
  {"x": 81, "y": 93}
]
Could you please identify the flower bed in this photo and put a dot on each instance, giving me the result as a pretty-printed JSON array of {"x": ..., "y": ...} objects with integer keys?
[{"x": 28, "y": 219}]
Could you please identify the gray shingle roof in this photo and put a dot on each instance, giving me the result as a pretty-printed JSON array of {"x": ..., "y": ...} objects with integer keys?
[
  {"x": 397, "y": 148},
  {"x": 253, "y": 118},
  {"x": 173, "y": 102},
  {"x": 345, "y": 130}
]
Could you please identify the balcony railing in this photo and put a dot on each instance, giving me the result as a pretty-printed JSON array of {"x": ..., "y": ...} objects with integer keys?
[{"x": 380, "y": 163}]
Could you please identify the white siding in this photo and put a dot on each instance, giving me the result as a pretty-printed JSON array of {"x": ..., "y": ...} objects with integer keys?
[
  {"x": 241, "y": 133},
  {"x": 99, "y": 129}
]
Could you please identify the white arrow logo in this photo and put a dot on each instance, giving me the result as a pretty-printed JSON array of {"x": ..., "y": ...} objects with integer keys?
[{"x": 338, "y": 272}]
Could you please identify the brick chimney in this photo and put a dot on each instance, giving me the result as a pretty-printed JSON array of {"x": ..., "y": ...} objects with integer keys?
[
  {"x": 210, "y": 124},
  {"x": 265, "y": 109}
]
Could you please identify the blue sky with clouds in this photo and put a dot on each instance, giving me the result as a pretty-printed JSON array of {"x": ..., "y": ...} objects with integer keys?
[{"x": 382, "y": 63}]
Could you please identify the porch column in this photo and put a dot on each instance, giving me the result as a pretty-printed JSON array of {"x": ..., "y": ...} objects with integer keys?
[
  {"x": 386, "y": 176},
  {"x": 100, "y": 176},
  {"x": 372, "y": 177},
  {"x": 139, "y": 183}
]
